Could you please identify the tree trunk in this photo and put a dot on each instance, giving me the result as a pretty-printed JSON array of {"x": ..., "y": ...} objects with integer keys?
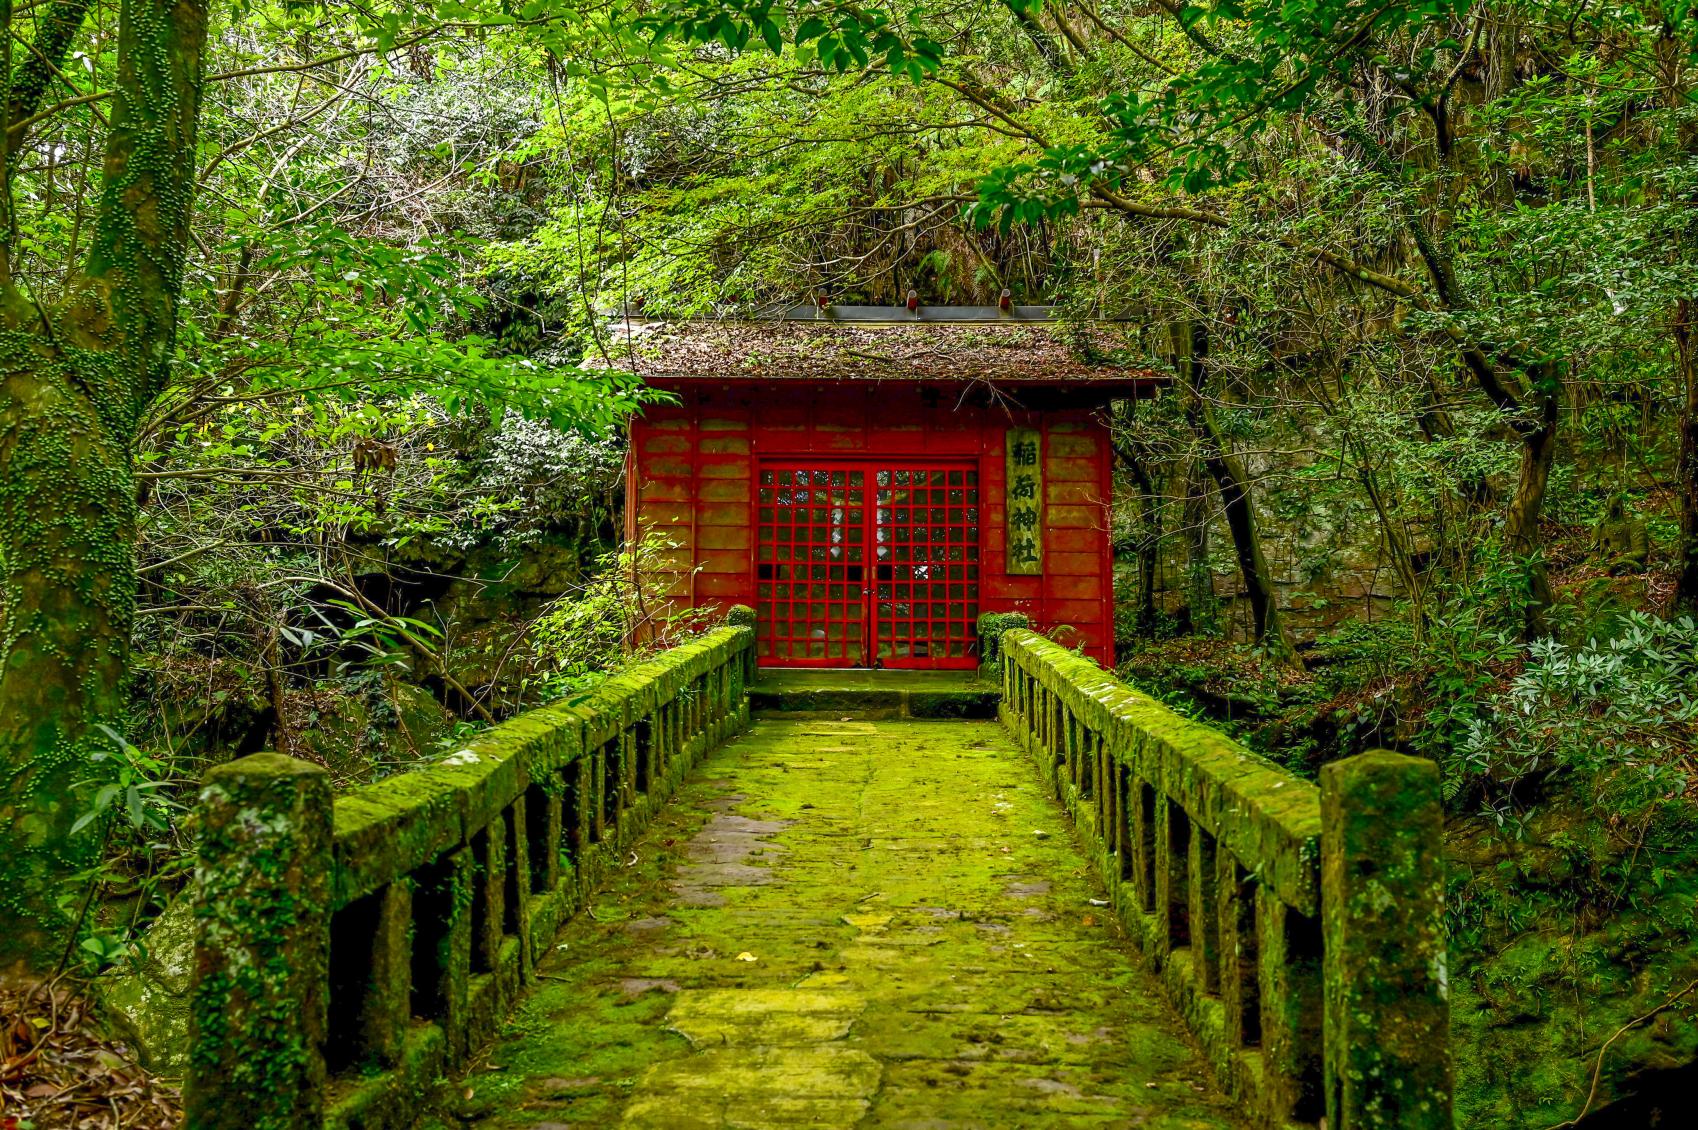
[
  {"x": 1239, "y": 509},
  {"x": 1236, "y": 504},
  {"x": 1149, "y": 536},
  {"x": 67, "y": 597},
  {"x": 1521, "y": 523},
  {"x": 73, "y": 385},
  {"x": 1686, "y": 590},
  {"x": 1200, "y": 599}
]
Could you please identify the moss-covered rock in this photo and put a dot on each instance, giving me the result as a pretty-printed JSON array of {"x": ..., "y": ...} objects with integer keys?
[
  {"x": 146, "y": 1003},
  {"x": 1548, "y": 970},
  {"x": 990, "y": 627},
  {"x": 363, "y": 732}
]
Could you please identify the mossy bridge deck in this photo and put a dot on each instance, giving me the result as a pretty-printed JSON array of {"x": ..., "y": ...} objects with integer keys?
[
  {"x": 649, "y": 909},
  {"x": 881, "y": 923}
]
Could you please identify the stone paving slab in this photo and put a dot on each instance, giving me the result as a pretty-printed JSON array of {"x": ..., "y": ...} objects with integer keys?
[{"x": 856, "y": 924}]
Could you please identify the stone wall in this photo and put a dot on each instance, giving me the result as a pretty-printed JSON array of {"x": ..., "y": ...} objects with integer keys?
[{"x": 1327, "y": 559}]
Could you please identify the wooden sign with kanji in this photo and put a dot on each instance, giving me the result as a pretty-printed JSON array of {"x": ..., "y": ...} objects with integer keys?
[{"x": 1024, "y": 501}]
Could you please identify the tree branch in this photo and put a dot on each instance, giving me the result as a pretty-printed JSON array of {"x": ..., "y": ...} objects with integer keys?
[{"x": 53, "y": 36}]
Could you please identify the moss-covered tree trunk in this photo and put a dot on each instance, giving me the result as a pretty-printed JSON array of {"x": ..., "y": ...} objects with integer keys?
[{"x": 74, "y": 380}]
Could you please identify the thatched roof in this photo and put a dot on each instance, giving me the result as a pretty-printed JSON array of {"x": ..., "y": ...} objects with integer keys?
[{"x": 1020, "y": 353}]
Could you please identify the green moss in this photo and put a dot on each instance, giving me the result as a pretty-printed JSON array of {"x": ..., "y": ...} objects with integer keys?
[
  {"x": 74, "y": 382},
  {"x": 457, "y": 832},
  {"x": 876, "y": 694},
  {"x": 1543, "y": 975},
  {"x": 258, "y": 1002},
  {"x": 1194, "y": 820},
  {"x": 1387, "y": 987},
  {"x": 991, "y": 626},
  {"x": 920, "y": 951},
  {"x": 1258, "y": 810},
  {"x": 67, "y": 585},
  {"x": 391, "y": 827}
]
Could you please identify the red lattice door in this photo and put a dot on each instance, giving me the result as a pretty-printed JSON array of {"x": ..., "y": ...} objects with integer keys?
[
  {"x": 926, "y": 597},
  {"x": 867, "y": 564}
]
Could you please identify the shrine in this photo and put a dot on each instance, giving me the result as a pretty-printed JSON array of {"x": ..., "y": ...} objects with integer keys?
[{"x": 870, "y": 480}]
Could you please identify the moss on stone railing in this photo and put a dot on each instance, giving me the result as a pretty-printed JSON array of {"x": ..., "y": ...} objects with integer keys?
[
  {"x": 1298, "y": 928},
  {"x": 353, "y": 950}
]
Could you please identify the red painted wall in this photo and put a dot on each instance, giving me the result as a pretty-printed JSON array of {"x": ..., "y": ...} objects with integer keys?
[{"x": 691, "y": 478}]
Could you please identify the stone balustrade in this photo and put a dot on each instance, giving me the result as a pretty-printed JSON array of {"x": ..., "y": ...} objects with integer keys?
[
  {"x": 1298, "y": 928},
  {"x": 352, "y": 950}
]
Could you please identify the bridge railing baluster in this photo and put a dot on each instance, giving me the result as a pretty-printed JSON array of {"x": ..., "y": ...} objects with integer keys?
[
  {"x": 1125, "y": 803},
  {"x": 1144, "y": 844},
  {"x": 516, "y": 876},
  {"x": 1065, "y": 746},
  {"x": 1173, "y": 904},
  {"x": 579, "y": 823},
  {"x": 489, "y": 856},
  {"x": 1203, "y": 911},
  {"x": 630, "y": 772},
  {"x": 1108, "y": 803},
  {"x": 1250, "y": 889},
  {"x": 1289, "y": 984},
  {"x": 370, "y": 985},
  {"x": 442, "y": 946},
  {"x": 1238, "y": 949},
  {"x": 1057, "y": 736},
  {"x": 612, "y": 784},
  {"x": 676, "y": 736},
  {"x": 545, "y": 826}
]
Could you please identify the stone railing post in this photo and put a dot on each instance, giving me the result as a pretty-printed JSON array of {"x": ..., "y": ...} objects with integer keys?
[
  {"x": 991, "y": 625},
  {"x": 1387, "y": 1062},
  {"x": 742, "y": 616},
  {"x": 262, "y": 948}
]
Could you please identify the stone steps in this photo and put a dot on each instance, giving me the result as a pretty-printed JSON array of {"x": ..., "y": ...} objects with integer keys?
[{"x": 873, "y": 695}]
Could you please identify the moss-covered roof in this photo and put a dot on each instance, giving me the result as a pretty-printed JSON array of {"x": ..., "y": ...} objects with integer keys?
[{"x": 1013, "y": 353}]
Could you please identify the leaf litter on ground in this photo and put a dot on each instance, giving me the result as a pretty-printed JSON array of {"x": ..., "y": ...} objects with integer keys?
[{"x": 58, "y": 1071}]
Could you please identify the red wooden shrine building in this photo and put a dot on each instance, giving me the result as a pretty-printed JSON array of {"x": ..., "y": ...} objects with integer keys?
[{"x": 871, "y": 480}]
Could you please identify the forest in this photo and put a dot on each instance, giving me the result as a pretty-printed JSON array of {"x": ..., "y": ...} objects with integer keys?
[{"x": 313, "y": 425}]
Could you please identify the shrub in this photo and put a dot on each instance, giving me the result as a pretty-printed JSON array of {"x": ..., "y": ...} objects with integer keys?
[{"x": 1613, "y": 717}]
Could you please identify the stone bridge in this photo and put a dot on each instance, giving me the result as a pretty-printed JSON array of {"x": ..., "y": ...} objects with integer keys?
[{"x": 644, "y": 909}]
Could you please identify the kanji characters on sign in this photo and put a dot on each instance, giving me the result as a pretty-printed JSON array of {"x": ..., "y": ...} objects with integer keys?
[{"x": 1024, "y": 501}]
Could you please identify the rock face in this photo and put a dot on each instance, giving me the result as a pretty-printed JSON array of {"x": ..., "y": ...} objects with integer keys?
[{"x": 146, "y": 1004}]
